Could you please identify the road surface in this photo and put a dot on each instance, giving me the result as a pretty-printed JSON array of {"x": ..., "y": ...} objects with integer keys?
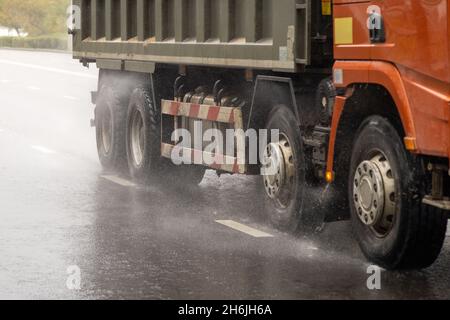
[{"x": 68, "y": 230}]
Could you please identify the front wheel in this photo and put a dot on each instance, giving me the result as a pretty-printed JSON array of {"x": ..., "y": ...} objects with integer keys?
[
  {"x": 284, "y": 169},
  {"x": 393, "y": 228}
]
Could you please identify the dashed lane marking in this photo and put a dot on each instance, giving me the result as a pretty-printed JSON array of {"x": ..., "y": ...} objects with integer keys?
[
  {"x": 43, "y": 149},
  {"x": 55, "y": 70},
  {"x": 244, "y": 229},
  {"x": 34, "y": 88},
  {"x": 70, "y": 98},
  {"x": 119, "y": 181}
]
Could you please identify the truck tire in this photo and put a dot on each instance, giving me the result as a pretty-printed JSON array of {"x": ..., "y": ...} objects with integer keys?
[
  {"x": 143, "y": 137},
  {"x": 110, "y": 123},
  {"x": 143, "y": 146},
  {"x": 325, "y": 98},
  {"x": 394, "y": 229},
  {"x": 284, "y": 189}
]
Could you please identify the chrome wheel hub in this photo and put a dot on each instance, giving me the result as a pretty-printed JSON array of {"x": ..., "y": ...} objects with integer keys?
[
  {"x": 374, "y": 194},
  {"x": 278, "y": 170},
  {"x": 274, "y": 170}
]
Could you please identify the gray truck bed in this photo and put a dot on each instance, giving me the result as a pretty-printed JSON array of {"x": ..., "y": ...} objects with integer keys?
[{"x": 260, "y": 34}]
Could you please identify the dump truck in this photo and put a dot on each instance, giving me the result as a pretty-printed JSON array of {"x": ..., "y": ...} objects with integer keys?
[{"x": 358, "y": 93}]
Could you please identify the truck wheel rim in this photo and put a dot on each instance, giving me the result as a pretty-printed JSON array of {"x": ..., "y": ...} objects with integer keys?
[
  {"x": 374, "y": 194},
  {"x": 137, "y": 138},
  {"x": 106, "y": 130},
  {"x": 279, "y": 171}
]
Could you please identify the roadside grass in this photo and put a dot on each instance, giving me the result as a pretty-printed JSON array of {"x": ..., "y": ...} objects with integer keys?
[{"x": 53, "y": 42}]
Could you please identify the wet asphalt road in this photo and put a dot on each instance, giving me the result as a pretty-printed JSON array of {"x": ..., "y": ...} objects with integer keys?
[{"x": 57, "y": 209}]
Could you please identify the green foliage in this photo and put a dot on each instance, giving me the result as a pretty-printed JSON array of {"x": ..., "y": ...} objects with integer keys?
[
  {"x": 37, "y": 17},
  {"x": 41, "y": 42}
]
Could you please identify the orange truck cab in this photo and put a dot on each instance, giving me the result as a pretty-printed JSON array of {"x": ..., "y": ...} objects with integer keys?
[
  {"x": 392, "y": 58},
  {"x": 411, "y": 61}
]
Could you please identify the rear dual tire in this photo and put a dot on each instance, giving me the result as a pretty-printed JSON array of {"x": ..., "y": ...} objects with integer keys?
[
  {"x": 143, "y": 146},
  {"x": 129, "y": 139},
  {"x": 143, "y": 137},
  {"x": 110, "y": 123}
]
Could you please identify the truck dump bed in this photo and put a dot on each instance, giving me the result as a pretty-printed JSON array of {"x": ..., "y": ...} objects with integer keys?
[{"x": 260, "y": 34}]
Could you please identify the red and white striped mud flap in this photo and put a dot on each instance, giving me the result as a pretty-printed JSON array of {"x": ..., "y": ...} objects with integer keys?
[{"x": 228, "y": 115}]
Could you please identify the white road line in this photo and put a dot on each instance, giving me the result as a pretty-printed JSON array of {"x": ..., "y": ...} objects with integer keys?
[
  {"x": 448, "y": 230},
  {"x": 2, "y": 130},
  {"x": 70, "y": 98},
  {"x": 43, "y": 149},
  {"x": 34, "y": 88},
  {"x": 245, "y": 229},
  {"x": 119, "y": 181},
  {"x": 55, "y": 70},
  {"x": 5, "y": 81}
]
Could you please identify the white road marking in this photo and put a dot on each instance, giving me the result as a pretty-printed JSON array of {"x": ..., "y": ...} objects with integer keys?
[
  {"x": 34, "y": 88},
  {"x": 245, "y": 229},
  {"x": 55, "y": 70},
  {"x": 448, "y": 230},
  {"x": 43, "y": 149},
  {"x": 2, "y": 130},
  {"x": 70, "y": 98},
  {"x": 5, "y": 81},
  {"x": 119, "y": 181}
]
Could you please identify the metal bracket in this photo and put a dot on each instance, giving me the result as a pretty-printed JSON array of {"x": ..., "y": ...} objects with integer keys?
[
  {"x": 437, "y": 182},
  {"x": 179, "y": 87},
  {"x": 441, "y": 204}
]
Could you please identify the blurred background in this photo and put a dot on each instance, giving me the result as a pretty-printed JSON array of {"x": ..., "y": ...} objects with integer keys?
[{"x": 34, "y": 24}]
